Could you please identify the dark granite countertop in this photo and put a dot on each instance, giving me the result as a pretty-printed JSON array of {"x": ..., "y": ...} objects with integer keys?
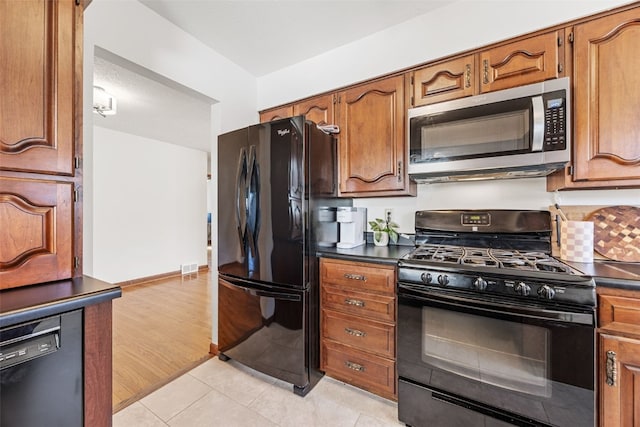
[
  {"x": 612, "y": 274},
  {"x": 368, "y": 253},
  {"x": 606, "y": 273},
  {"x": 27, "y": 303}
]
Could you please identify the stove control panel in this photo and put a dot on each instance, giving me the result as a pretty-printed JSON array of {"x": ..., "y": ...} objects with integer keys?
[
  {"x": 523, "y": 287},
  {"x": 475, "y": 218}
]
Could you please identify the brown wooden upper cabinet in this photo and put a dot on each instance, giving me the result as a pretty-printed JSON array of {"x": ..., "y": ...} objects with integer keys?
[
  {"x": 40, "y": 122},
  {"x": 606, "y": 107},
  {"x": 319, "y": 109},
  {"x": 519, "y": 63},
  {"x": 444, "y": 81},
  {"x": 37, "y": 86},
  {"x": 372, "y": 143},
  {"x": 513, "y": 64},
  {"x": 276, "y": 113}
]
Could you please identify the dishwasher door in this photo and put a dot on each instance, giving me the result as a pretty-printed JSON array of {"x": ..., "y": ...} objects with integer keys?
[{"x": 41, "y": 381}]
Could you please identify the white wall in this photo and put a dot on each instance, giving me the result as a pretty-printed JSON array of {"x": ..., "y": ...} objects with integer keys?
[
  {"x": 150, "y": 206},
  {"x": 464, "y": 25},
  {"x": 131, "y": 30},
  {"x": 527, "y": 193}
]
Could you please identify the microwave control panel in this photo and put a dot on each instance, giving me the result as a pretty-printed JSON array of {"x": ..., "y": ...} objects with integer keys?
[{"x": 555, "y": 121}]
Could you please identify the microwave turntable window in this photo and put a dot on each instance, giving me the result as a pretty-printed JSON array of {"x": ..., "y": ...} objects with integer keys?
[{"x": 503, "y": 133}]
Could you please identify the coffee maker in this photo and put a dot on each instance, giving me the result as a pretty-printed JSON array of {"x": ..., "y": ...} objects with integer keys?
[
  {"x": 326, "y": 226},
  {"x": 352, "y": 225}
]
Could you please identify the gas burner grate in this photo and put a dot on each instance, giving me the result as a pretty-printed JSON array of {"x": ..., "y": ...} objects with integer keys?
[{"x": 497, "y": 258}]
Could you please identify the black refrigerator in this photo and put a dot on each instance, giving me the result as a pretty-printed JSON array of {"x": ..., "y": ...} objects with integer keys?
[{"x": 271, "y": 178}]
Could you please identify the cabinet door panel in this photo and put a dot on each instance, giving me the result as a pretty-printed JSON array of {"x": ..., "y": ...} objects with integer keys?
[
  {"x": 36, "y": 236},
  {"x": 37, "y": 86},
  {"x": 445, "y": 81},
  {"x": 319, "y": 109},
  {"x": 619, "y": 381},
  {"x": 607, "y": 90},
  {"x": 371, "y": 139},
  {"x": 276, "y": 114},
  {"x": 519, "y": 63}
]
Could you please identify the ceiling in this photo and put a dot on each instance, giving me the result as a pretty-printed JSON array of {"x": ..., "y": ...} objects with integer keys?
[
  {"x": 246, "y": 32},
  {"x": 150, "y": 105}
]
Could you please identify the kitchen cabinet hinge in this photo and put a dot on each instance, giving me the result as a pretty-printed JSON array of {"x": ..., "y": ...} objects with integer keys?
[
  {"x": 412, "y": 101},
  {"x": 559, "y": 41},
  {"x": 77, "y": 162},
  {"x": 411, "y": 80},
  {"x": 560, "y": 68},
  {"x": 570, "y": 37},
  {"x": 76, "y": 262},
  {"x": 76, "y": 194},
  {"x": 570, "y": 170}
]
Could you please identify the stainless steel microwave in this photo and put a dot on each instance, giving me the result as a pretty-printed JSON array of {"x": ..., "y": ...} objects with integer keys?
[{"x": 512, "y": 133}]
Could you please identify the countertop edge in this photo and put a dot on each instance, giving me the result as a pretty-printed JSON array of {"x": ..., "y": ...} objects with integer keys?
[
  {"x": 96, "y": 292},
  {"x": 617, "y": 276},
  {"x": 388, "y": 255}
]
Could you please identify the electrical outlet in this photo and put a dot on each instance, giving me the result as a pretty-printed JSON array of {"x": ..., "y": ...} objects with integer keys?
[{"x": 387, "y": 214}]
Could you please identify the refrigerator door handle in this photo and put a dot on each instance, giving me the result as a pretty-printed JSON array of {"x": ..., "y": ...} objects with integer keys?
[
  {"x": 274, "y": 295},
  {"x": 253, "y": 200},
  {"x": 241, "y": 209},
  {"x": 255, "y": 290}
]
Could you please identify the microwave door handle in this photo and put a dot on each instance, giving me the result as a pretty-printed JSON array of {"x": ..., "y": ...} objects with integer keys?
[{"x": 538, "y": 124}]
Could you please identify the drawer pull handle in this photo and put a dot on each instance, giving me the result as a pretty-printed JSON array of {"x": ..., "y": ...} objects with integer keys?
[
  {"x": 355, "y": 332},
  {"x": 611, "y": 368},
  {"x": 355, "y": 302},
  {"x": 354, "y": 366},
  {"x": 355, "y": 276}
]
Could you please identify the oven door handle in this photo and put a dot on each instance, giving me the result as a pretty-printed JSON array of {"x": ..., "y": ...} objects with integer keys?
[{"x": 503, "y": 307}]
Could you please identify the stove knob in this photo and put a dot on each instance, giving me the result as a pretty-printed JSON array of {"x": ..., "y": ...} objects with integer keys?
[
  {"x": 426, "y": 277},
  {"x": 522, "y": 288},
  {"x": 443, "y": 279},
  {"x": 480, "y": 284},
  {"x": 546, "y": 291}
]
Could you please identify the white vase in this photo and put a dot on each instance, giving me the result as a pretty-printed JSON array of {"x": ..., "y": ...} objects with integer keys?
[{"x": 380, "y": 238}]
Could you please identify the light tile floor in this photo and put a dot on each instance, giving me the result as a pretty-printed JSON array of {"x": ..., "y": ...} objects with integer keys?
[{"x": 228, "y": 394}]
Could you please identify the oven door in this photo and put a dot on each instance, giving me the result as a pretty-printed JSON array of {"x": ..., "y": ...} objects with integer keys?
[{"x": 465, "y": 359}]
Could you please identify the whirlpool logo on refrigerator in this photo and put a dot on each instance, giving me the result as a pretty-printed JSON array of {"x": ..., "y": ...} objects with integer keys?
[{"x": 283, "y": 132}]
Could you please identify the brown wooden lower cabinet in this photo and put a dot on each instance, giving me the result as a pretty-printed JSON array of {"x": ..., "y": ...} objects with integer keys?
[
  {"x": 359, "y": 368},
  {"x": 358, "y": 324},
  {"x": 619, "y": 357}
]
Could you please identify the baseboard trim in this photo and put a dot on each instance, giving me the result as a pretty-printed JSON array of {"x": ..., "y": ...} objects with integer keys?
[
  {"x": 177, "y": 273},
  {"x": 213, "y": 349}
]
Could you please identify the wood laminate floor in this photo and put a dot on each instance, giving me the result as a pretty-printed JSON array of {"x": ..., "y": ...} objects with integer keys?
[{"x": 161, "y": 330}]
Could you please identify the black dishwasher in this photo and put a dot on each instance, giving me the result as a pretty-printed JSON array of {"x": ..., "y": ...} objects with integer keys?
[{"x": 41, "y": 372}]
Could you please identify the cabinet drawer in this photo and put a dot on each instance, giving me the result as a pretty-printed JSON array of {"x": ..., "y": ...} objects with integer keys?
[
  {"x": 381, "y": 307},
  {"x": 366, "y": 335},
  {"x": 357, "y": 275},
  {"x": 619, "y": 312},
  {"x": 364, "y": 370}
]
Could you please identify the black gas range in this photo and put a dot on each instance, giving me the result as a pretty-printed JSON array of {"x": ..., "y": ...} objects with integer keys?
[
  {"x": 499, "y": 252},
  {"x": 492, "y": 329}
]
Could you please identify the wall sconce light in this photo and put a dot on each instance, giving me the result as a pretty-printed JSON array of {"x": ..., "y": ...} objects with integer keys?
[{"x": 103, "y": 103}]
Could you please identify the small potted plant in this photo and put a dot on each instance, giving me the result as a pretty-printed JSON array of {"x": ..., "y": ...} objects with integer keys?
[{"x": 383, "y": 231}]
